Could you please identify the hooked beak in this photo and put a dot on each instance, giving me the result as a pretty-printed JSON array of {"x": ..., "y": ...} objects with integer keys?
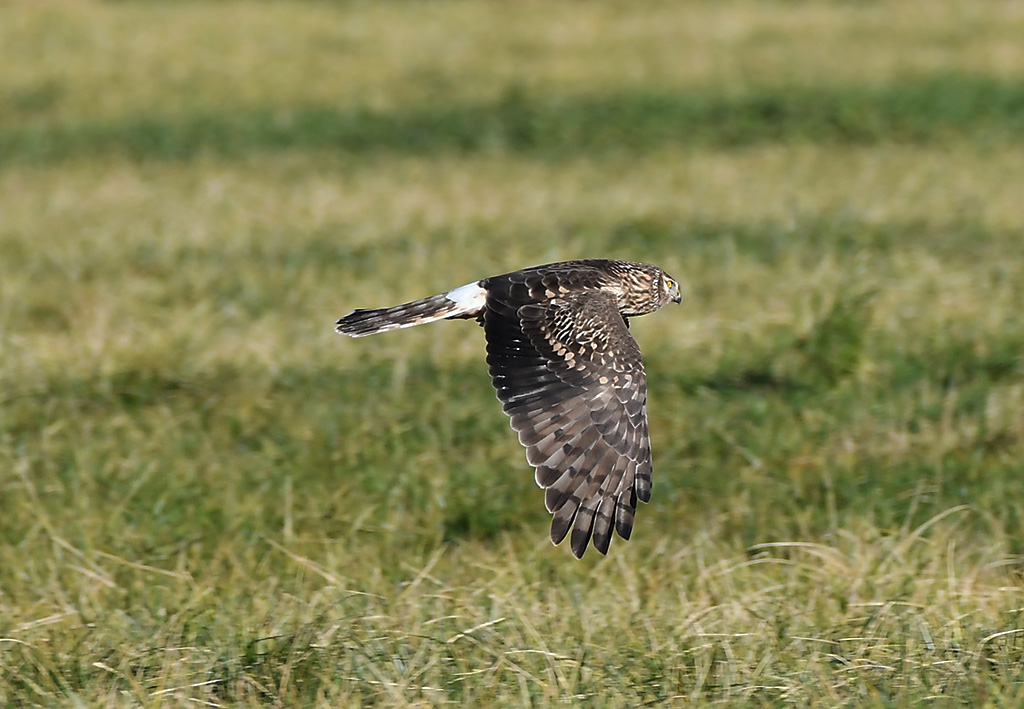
[{"x": 677, "y": 299}]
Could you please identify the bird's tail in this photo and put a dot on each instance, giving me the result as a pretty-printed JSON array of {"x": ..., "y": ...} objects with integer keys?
[{"x": 465, "y": 302}]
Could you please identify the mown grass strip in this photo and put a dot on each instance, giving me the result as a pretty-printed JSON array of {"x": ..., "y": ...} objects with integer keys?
[{"x": 915, "y": 110}]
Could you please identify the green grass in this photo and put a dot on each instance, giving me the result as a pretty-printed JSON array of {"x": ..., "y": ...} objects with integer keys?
[
  {"x": 208, "y": 496},
  {"x": 920, "y": 110}
]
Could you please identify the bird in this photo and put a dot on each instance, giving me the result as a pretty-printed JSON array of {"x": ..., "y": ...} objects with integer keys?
[{"x": 569, "y": 376}]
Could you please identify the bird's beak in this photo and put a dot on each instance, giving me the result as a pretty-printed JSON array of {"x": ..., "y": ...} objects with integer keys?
[{"x": 677, "y": 298}]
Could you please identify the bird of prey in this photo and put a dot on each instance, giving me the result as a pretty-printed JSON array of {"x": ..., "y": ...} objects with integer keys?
[{"x": 569, "y": 375}]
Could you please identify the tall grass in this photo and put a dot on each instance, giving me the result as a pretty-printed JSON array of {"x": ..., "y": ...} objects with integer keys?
[{"x": 207, "y": 496}]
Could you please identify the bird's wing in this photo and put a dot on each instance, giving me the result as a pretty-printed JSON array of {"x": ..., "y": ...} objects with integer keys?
[{"x": 571, "y": 379}]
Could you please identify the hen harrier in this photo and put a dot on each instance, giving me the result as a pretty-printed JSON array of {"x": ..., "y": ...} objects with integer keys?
[{"x": 568, "y": 374}]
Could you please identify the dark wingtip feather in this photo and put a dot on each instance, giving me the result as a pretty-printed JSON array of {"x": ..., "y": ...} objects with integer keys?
[
  {"x": 581, "y": 532},
  {"x": 644, "y": 481},
  {"x": 603, "y": 524},
  {"x": 578, "y": 550},
  {"x": 643, "y": 490},
  {"x": 561, "y": 523},
  {"x": 625, "y": 506}
]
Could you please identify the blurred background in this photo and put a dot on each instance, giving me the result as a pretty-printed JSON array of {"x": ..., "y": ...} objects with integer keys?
[{"x": 209, "y": 496}]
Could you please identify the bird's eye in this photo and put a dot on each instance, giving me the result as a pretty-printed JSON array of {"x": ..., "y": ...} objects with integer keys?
[{"x": 669, "y": 283}]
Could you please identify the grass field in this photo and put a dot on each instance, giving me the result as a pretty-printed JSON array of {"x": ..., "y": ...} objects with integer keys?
[{"x": 207, "y": 497}]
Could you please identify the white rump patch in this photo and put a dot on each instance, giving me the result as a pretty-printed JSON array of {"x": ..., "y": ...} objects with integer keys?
[{"x": 469, "y": 298}]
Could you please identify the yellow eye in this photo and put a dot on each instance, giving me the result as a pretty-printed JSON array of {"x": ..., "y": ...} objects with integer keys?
[{"x": 669, "y": 283}]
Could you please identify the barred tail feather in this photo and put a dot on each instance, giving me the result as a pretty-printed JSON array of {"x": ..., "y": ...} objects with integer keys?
[{"x": 465, "y": 302}]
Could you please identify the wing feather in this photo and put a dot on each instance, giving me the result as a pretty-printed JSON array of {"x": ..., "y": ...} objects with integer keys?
[{"x": 571, "y": 379}]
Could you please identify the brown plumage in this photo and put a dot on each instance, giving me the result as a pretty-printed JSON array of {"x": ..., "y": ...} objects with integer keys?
[{"x": 569, "y": 376}]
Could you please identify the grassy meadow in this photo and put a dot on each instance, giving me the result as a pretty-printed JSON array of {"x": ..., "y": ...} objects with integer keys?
[{"x": 209, "y": 498}]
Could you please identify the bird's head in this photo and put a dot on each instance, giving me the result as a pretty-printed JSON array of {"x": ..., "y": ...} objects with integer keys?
[
  {"x": 670, "y": 289},
  {"x": 645, "y": 288}
]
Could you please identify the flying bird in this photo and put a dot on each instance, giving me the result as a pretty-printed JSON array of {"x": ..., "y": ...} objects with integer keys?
[{"x": 569, "y": 376}]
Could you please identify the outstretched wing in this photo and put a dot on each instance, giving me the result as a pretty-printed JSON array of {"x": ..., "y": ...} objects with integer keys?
[{"x": 572, "y": 381}]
